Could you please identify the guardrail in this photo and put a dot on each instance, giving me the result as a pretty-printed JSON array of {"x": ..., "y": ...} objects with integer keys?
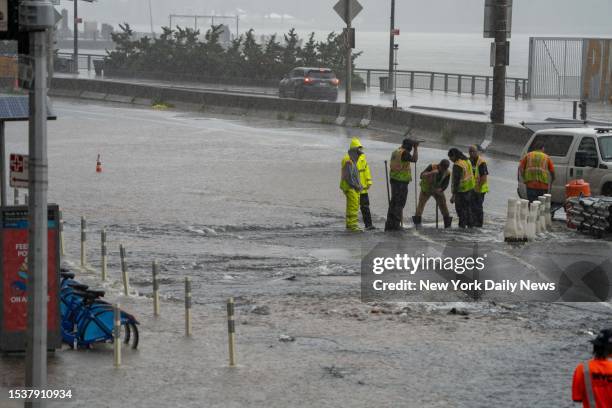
[
  {"x": 424, "y": 80},
  {"x": 447, "y": 82}
]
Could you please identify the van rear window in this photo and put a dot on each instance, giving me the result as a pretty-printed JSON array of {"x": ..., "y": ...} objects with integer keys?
[{"x": 554, "y": 145}]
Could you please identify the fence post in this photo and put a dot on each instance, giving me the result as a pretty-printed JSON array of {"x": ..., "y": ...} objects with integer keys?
[
  {"x": 445, "y": 82},
  {"x": 83, "y": 242},
  {"x": 473, "y": 84},
  {"x": 231, "y": 331},
  {"x": 124, "y": 271},
  {"x": 155, "y": 289},
  {"x": 117, "y": 335},
  {"x": 15, "y": 196},
  {"x": 411, "y": 80},
  {"x": 459, "y": 79},
  {"x": 517, "y": 89},
  {"x": 88, "y": 62},
  {"x": 103, "y": 251},
  {"x": 61, "y": 234},
  {"x": 368, "y": 79},
  {"x": 524, "y": 93},
  {"x": 187, "y": 307},
  {"x": 487, "y": 87},
  {"x": 432, "y": 81}
]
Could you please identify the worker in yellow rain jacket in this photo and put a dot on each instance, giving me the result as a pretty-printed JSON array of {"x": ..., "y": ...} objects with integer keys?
[
  {"x": 351, "y": 184},
  {"x": 481, "y": 173},
  {"x": 463, "y": 183}
]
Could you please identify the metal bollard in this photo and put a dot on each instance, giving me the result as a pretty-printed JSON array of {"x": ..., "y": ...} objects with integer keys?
[
  {"x": 103, "y": 251},
  {"x": 231, "y": 331},
  {"x": 155, "y": 289},
  {"x": 15, "y": 196},
  {"x": 124, "y": 271},
  {"x": 25, "y": 199},
  {"x": 117, "y": 335},
  {"x": 187, "y": 307},
  {"x": 83, "y": 241},
  {"x": 61, "y": 234}
]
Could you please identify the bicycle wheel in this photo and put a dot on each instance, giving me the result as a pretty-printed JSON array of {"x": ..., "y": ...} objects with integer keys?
[{"x": 132, "y": 335}]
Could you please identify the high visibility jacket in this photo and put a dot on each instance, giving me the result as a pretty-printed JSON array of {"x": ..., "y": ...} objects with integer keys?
[
  {"x": 468, "y": 181},
  {"x": 536, "y": 167},
  {"x": 365, "y": 177},
  {"x": 591, "y": 384},
  {"x": 480, "y": 187},
  {"x": 400, "y": 170},
  {"x": 428, "y": 184}
]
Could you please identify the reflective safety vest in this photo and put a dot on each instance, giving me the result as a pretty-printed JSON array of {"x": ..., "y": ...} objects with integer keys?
[
  {"x": 536, "y": 167},
  {"x": 428, "y": 184},
  {"x": 484, "y": 187},
  {"x": 468, "y": 181},
  {"x": 365, "y": 177},
  {"x": 400, "y": 170}
]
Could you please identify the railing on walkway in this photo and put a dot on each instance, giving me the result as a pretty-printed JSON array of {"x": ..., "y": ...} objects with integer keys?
[
  {"x": 447, "y": 82},
  {"x": 425, "y": 80}
]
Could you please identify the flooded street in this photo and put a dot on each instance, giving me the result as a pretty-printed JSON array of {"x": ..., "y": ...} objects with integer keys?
[{"x": 251, "y": 208}]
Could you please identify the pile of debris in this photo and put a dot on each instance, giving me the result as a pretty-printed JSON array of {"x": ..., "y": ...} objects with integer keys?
[{"x": 590, "y": 214}]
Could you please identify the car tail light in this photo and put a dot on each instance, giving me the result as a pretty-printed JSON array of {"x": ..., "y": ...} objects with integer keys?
[
  {"x": 335, "y": 81},
  {"x": 307, "y": 80}
]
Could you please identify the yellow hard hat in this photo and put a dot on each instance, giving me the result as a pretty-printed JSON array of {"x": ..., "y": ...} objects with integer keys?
[{"x": 355, "y": 143}]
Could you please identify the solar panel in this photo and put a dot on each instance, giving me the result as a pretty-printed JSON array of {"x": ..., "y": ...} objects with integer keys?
[{"x": 16, "y": 108}]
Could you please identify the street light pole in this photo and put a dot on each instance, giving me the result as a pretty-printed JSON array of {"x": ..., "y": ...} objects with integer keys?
[
  {"x": 391, "y": 81},
  {"x": 75, "y": 56},
  {"x": 498, "y": 110},
  {"x": 349, "y": 54},
  {"x": 396, "y": 50}
]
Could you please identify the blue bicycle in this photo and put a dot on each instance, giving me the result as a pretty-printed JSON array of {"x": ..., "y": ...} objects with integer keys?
[{"x": 87, "y": 319}]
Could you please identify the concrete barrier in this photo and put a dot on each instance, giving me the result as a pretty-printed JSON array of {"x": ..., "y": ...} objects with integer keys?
[{"x": 443, "y": 131}]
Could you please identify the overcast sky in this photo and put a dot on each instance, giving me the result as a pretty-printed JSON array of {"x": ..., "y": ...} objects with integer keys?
[{"x": 580, "y": 17}]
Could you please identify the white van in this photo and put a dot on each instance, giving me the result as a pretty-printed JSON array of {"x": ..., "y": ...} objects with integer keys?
[{"x": 577, "y": 153}]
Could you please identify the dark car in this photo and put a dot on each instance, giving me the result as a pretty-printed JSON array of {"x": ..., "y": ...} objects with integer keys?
[{"x": 313, "y": 83}]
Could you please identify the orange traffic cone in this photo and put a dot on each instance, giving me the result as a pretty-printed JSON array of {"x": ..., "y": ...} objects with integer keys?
[{"x": 98, "y": 165}]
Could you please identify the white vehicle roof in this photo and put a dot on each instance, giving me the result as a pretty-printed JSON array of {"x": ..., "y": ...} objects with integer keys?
[{"x": 582, "y": 131}]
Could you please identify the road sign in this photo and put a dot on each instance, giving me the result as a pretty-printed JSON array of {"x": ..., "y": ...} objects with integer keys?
[
  {"x": 354, "y": 8},
  {"x": 489, "y": 18},
  {"x": 19, "y": 171}
]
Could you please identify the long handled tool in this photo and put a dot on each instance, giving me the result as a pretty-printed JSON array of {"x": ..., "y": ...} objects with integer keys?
[
  {"x": 437, "y": 222},
  {"x": 387, "y": 178}
]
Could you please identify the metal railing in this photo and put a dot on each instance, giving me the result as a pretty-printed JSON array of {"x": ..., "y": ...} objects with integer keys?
[
  {"x": 447, "y": 82},
  {"x": 424, "y": 80}
]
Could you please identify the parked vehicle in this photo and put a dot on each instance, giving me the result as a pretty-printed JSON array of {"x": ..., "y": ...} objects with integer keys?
[
  {"x": 311, "y": 83},
  {"x": 577, "y": 153}
]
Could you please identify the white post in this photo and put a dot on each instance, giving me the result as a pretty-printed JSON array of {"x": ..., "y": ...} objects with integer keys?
[
  {"x": 510, "y": 230},
  {"x": 124, "y": 271},
  {"x": 548, "y": 211},
  {"x": 534, "y": 210},
  {"x": 103, "y": 252},
  {"x": 83, "y": 242},
  {"x": 187, "y": 307},
  {"x": 155, "y": 289},
  {"x": 117, "y": 336}
]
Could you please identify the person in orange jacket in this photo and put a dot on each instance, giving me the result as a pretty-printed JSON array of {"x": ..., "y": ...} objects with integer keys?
[{"x": 592, "y": 383}]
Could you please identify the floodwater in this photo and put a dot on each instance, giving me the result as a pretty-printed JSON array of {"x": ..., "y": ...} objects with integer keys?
[{"x": 240, "y": 204}]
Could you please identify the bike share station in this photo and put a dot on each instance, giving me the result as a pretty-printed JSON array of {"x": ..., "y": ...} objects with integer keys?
[{"x": 14, "y": 224}]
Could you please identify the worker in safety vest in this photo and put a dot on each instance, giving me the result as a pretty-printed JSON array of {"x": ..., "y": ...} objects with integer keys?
[
  {"x": 350, "y": 184},
  {"x": 365, "y": 178},
  {"x": 401, "y": 176},
  {"x": 481, "y": 172},
  {"x": 592, "y": 383},
  {"x": 537, "y": 171},
  {"x": 462, "y": 187},
  {"x": 434, "y": 180}
]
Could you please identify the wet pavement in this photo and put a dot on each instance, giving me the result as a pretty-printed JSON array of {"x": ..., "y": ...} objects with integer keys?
[{"x": 250, "y": 208}]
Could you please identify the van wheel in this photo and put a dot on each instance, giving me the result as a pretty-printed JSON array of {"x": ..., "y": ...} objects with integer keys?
[{"x": 607, "y": 190}]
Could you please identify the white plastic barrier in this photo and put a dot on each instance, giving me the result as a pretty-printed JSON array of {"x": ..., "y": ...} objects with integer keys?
[
  {"x": 523, "y": 217},
  {"x": 534, "y": 210},
  {"x": 511, "y": 229},
  {"x": 548, "y": 212}
]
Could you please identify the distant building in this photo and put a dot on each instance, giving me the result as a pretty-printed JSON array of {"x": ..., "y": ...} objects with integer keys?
[
  {"x": 63, "y": 31},
  {"x": 90, "y": 29},
  {"x": 225, "y": 36}
]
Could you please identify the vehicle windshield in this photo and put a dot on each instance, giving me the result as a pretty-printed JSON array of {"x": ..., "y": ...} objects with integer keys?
[
  {"x": 321, "y": 75},
  {"x": 605, "y": 147}
]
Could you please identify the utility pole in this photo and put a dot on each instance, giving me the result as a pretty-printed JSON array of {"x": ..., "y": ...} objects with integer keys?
[
  {"x": 37, "y": 17},
  {"x": 151, "y": 19},
  {"x": 349, "y": 53},
  {"x": 391, "y": 81},
  {"x": 75, "y": 55},
  {"x": 498, "y": 110}
]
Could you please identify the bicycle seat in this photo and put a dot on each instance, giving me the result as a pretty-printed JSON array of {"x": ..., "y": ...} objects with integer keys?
[
  {"x": 67, "y": 275},
  {"x": 78, "y": 286},
  {"x": 96, "y": 293}
]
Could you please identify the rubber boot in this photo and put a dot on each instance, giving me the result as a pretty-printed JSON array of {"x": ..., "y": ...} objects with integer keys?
[
  {"x": 448, "y": 221},
  {"x": 416, "y": 220}
]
